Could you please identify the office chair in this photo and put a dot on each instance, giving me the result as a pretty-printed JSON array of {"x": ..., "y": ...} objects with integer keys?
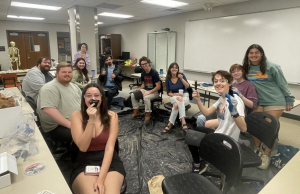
[
  {"x": 74, "y": 152},
  {"x": 266, "y": 132},
  {"x": 227, "y": 157},
  {"x": 118, "y": 101},
  {"x": 137, "y": 69},
  {"x": 10, "y": 80},
  {"x": 155, "y": 104}
]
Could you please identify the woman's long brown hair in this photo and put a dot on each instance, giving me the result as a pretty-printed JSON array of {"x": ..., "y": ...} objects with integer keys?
[{"x": 105, "y": 118}]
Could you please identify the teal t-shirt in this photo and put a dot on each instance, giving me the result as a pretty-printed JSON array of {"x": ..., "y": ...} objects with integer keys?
[{"x": 271, "y": 87}]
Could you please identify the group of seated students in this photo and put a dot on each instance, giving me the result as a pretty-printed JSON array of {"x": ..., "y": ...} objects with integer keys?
[
  {"x": 69, "y": 113},
  {"x": 256, "y": 86}
]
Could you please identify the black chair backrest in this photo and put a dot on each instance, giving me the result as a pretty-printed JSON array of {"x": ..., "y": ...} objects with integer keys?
[
  {"x": 74, "y": 150},
  {"x": 138, "y": 69},
  {"x": 228, "y": 160},
  {"x": 161, "y": 90},
  {"x": 259, "y": 127},
  {"x": 31, "y": 102}
]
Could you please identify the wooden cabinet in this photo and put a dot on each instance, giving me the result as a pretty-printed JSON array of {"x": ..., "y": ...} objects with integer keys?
[{"x": 110, "y": 44}]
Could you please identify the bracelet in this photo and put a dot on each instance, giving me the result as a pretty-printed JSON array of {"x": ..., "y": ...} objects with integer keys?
[
  {"x": 92, "y": 122},
  {"x": 236, "y": 115}
]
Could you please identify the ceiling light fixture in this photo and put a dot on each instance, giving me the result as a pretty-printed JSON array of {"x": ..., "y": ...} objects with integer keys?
[
  {"x": 166, "y": 3},
  {"x": 35, "y": 6},
  {"x": 25, "y": 17},
  {"x": 116, "y": 15},
  {"x": 208, "y": 6},
  {"x": 100, "y": 22}
]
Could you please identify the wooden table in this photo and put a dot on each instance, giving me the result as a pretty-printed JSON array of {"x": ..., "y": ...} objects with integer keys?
[
  {"x": 286, "y": 180},
  {"x": 50, "y": 178}
]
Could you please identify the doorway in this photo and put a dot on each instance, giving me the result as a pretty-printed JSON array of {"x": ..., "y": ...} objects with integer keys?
[{"x": 31, "y": 45}]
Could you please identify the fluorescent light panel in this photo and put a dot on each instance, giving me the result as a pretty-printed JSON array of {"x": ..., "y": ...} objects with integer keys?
[
  {"x": 34, "y": 6},
  {"x": 115, "y": 15},
  {"x": 25, "y": 17},
  {"x": 167, "y": 3},
  {"x": 100, "y": 22}
]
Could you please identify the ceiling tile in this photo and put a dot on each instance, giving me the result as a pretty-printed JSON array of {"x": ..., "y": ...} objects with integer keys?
[
  {"x": 19, "y": 11},
  {"x": 109, "y": 6},
  {"x": 121, "y": 2}
]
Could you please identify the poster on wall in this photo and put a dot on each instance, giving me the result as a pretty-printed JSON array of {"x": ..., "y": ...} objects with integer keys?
[
  {"x": 68, "y": 47},
  {"x": 61, "y": 44}
]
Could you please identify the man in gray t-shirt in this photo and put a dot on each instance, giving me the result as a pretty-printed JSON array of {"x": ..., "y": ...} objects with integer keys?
[
  {"x": 56, "y": 102},
  {"x": 37, "y": 77}
]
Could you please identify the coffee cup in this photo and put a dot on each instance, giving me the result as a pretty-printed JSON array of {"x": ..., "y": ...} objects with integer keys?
[
  {"x": 180, "y": 91},
  {"x": 93, "y": 73}
]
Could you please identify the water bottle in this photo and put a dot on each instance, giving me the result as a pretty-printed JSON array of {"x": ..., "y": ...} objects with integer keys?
[{"x": 161, "y": 72}]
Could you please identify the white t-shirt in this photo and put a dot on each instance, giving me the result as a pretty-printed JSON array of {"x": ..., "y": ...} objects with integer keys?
[{"x": 227, "y": 124}]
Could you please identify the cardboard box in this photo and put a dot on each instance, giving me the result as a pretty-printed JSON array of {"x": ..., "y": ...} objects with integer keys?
[
  {"x": 8, "y": 165},
  {"x": 10, "y": 118}
]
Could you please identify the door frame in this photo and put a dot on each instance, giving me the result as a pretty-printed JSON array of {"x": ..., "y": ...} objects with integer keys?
[{"x": 28, "y": 31}]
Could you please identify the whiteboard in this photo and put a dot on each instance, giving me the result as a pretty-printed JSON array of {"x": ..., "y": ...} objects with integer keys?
[{"x": 217, "y": 43}]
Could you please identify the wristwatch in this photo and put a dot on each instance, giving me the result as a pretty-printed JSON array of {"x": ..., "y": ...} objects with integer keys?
[{"x": 236, "y": 115}]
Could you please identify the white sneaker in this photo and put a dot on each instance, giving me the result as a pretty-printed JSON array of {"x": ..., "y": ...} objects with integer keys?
[
  {"x": 265, "y": 162},
  {"x": 258, "y": 151}
]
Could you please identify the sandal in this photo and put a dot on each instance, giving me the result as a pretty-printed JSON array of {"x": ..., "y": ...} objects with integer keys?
[
  {"x": 185, "y": 130},
  {"x": 167, "y": 129}
]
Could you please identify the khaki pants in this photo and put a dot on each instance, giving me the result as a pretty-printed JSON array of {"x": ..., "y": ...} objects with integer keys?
[{"x": 147, "y": 99}]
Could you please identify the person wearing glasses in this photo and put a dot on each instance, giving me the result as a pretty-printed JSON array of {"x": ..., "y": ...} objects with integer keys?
[
  {"x": 111, "y": 79},
  {"x": 230, "y": 114},
  {"x": 56, "y": 101},
  {"x": 243, "y": 88},
  {"x": 149, "y": 88},
  {"x": 82, "y": 54},
  {"x": 94, "y": 130},
  {"x": 272, "y": 90}
]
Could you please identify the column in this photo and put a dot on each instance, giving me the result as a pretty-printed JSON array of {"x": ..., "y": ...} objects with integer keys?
[{"x": 83, "y": 22}]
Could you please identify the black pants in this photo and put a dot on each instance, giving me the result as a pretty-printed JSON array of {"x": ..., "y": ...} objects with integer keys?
[
  {"x": 110, "y": 94},
  {"x": 61, "y": 134},
  {"x": 194, "y": 149}
]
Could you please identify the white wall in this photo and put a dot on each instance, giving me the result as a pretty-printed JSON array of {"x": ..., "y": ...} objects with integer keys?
[
  {"x": 29, "y": 26},
  {"x": 134, "y": 35}
]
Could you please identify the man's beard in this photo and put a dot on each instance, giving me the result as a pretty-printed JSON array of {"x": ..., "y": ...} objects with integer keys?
[
  {"x": 44, "y": 70},
  {"x": 109, "y": 63}
]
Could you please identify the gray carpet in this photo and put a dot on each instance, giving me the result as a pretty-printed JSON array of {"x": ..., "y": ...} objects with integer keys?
[{"x": 146, "y": 152}]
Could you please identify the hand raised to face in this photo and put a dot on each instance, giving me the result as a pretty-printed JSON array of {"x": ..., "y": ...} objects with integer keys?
[{"x": 180, "y": 76}]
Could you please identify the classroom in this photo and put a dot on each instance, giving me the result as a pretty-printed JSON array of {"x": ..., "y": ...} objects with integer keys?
[{"x": 201, "y": 37}]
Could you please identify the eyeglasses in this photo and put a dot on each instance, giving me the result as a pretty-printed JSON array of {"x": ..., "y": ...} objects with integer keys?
[
  {"x": 222, "y": 81},
  {"x": 144, "y": 64},
  {"x": 237, "y": 70},
  {"x": 91, "y": 96}
]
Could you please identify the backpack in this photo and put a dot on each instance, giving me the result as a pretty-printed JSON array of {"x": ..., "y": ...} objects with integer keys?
[{"x": 283, "y": 156}]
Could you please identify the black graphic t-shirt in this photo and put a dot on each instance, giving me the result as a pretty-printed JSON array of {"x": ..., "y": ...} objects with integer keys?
[{"x": 150, "y": 79}]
